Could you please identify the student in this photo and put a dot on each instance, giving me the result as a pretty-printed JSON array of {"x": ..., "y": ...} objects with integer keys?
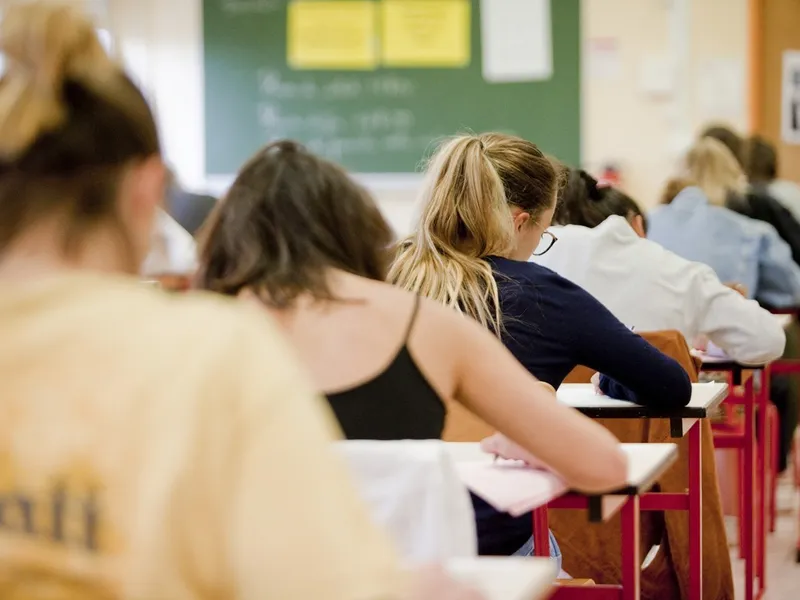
[
  {"x": 299, "y": 239},
  {"x": 645, "y": 285},
  {"x": 761, "y": 165},
  {"x": 487, "y": 203},
  {"x": 728, "y": 138},
  {"x": 697, "y": 226},
  {"x": 151, "y": 446},
  {"x": 716, "y": 171}
]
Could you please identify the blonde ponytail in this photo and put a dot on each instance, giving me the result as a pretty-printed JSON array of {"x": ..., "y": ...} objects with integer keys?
[
  {"x": 43, "y": 44},
  {"x": 462, "y": 193},
  {"x": 466, "y": 217}
]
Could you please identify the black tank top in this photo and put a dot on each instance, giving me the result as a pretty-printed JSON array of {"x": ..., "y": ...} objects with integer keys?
[{"x": 397, "y": 404}]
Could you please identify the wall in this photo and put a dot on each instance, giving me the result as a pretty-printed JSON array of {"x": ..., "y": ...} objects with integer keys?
[
  {"x": 779, "y": 32},
  {"x": 161, "y": 42},
  {"x": 647, "y": 133}
]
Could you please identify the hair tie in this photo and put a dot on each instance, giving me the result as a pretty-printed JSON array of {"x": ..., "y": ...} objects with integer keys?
[{"x": 592, "y": 187}]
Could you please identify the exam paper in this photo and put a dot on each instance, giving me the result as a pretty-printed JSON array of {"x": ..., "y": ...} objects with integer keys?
[{"x": 510, "y": 486}]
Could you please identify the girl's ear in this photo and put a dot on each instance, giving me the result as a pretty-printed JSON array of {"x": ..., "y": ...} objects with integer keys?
[
  {"x": 637, "y": 222},
  {"x": 521, "y": 219}
]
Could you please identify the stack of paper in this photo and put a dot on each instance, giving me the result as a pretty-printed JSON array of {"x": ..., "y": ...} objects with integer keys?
[{"x": 511, "y": 486}]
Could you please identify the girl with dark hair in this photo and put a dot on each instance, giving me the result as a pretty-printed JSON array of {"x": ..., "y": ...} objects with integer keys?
[
  {"x": 299, "y": 239},
  {"x": 645, "y": 285}
]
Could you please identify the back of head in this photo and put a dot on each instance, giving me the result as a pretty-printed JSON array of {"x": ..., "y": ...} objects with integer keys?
[
  {"x": 582, "y": 202},
  {"x": 714, "y": 169},
  {"x": 289, "y": 218},
  {"x": 472, "y": 182},
  {"x": 70, "y": 123},
  {"x": 761, "y": 160},
  {"x": 729, "y": 138}
]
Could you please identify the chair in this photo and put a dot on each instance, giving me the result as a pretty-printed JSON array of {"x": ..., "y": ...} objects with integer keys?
[
  {"x": 415, "y": 493},
  {"x": 593, "y": 551}
]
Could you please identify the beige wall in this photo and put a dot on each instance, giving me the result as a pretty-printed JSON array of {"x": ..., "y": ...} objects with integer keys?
[
  {"x": 647, "y": 134},
  {"x": 161, "y": 41}
]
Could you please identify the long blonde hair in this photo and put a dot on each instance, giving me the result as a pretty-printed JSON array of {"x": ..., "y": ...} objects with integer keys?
[
  {"x": 471, "y": 182},
  {"x": 712, "y": 167}
]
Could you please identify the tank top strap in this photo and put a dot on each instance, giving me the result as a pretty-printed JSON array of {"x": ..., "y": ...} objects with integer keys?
[{"x": 413, "y": 319}]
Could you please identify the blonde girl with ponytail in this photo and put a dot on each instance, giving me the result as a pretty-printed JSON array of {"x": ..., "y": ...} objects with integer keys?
[
  {"x": 486, "y": 205},
  {"x": 488, "y": 195}
]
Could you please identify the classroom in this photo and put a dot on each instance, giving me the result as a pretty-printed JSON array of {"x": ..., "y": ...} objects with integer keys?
[{"x": 400, "y": 299}]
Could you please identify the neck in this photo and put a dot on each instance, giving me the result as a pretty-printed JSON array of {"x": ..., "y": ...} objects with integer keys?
[
  {"x": 521, "y": 254},
  {"x": 40, "y": 252}
]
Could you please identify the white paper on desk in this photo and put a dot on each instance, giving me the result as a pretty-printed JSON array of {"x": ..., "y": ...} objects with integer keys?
[
  {"x": 510, "y": 486},
  {"x": 516, "y": 40}
]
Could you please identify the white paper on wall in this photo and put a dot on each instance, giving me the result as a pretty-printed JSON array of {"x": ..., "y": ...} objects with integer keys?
[
  {"x": 720, "y": 90},
  {"x": 657, "y": 76},
  {"x": 790, "y": 98},
  {"x": 516, "y": 39},
  {"x": 603, "y": 59}
]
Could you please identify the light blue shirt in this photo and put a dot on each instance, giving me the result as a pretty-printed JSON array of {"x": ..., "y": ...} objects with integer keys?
[{"x": 739, "y": 249}]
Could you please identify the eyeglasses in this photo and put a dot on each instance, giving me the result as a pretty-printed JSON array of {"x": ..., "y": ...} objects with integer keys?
[{"x": 548, "y": 239}]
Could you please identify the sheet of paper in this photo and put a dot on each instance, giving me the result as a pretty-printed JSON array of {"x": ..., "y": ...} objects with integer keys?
[
  {"x": 604, "y": 58},
  {"x": 516, "y": 37},
  {"x": 426, "y": 33},
  {"x": 720, "y": 89},
  {"x": 657, "y": 75},
  {"x": 510, "y": 486},
  {"x": 790, "y": 110},
  {"x": 335, "y": 34}
]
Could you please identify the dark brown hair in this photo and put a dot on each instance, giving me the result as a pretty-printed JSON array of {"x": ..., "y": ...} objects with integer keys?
[
  {"x": 761, "y": 160},
  {"x": 583, "y": 202},
  {"x": 732, "y": 140},
  {"x": 71, "y": 121},
  {"x": 287, "y": 220}
]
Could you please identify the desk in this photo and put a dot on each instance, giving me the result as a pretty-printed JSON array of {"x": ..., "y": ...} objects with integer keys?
[
  {"x": 506, "y": 578},
  {"x": 705, "y": 398},
  {"x": 756, "y": 393},
  {"x": 646, "y": 463}
]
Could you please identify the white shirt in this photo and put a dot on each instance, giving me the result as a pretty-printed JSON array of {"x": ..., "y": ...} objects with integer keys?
[
  {"x": 415, "y": 493},
  {"x": 650, "y": 288}
]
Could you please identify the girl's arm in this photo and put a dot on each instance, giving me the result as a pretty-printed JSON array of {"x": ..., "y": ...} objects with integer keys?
[{"x": 491, "y": 383}]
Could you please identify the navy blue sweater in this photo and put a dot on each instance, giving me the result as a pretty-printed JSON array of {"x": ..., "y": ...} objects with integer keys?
[{"x": 551, "y": 326}]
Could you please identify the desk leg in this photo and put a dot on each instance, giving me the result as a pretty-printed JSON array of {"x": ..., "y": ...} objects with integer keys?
[
  {"x": 631, "y": 556},
  {"x": 748, "y": 543},
  {"x": 763, "y": 454},
  {"x": 541, "y": 532},
  {"x": 696, "y": 512}
]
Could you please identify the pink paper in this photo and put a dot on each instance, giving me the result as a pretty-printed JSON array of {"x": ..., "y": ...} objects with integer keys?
[{"x": 511, "y": 486}]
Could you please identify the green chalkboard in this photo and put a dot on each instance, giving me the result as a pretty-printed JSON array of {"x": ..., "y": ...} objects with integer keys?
[{"x": 381, "y": 121}]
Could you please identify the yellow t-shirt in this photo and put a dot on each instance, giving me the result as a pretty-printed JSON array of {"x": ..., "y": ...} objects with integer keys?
[{"x": 167, "y": 447}]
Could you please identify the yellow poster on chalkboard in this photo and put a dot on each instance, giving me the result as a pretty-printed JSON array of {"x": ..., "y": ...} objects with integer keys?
[
  {"x": 332, "y": 34},
  {"x": 425, "y": 33}
]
